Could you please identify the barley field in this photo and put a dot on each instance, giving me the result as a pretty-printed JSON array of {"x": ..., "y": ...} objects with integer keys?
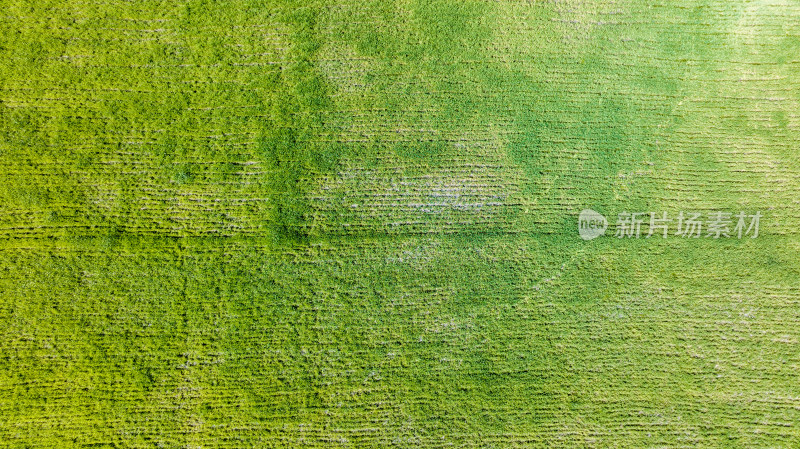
[{"x": 354, "y": 224}]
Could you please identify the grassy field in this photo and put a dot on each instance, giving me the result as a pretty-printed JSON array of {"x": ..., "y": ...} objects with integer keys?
[{"x": 353, "y": 224}]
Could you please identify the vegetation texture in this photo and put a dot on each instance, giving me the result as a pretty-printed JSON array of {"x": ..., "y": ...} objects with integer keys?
[{"x": 353, "y": 223}]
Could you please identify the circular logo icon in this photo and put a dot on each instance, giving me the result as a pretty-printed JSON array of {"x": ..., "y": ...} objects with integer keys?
[{"x": 591, "y": 224}]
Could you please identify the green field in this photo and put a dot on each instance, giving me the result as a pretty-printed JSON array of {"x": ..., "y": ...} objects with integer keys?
[{"x": 279, "y": 224}]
